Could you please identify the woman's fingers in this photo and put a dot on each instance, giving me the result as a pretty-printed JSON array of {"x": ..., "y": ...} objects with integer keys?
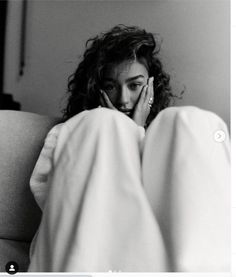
[
  {"x": 146, "y": 95},
  {"x": 102, "y": 102},
  {"x": 142, "y": 96},
  {"x": 150, "y": 93},
  {"x": 105, "y": 101},
  {"x": 143, "y": 106}
]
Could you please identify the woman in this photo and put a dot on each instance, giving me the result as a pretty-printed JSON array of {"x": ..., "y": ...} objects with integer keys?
[
  {"x": 116, "y": 197},
  {"x": 119, "y": 50}
]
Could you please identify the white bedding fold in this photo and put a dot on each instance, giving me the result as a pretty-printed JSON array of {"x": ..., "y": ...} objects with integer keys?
[{"x": 118, "y": 202}]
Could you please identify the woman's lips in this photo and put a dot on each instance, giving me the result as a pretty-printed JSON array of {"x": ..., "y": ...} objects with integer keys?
[{"x": 126, "y": 111}]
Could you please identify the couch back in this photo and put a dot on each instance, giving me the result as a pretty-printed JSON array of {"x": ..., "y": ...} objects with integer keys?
[{"x": 21, "y": 139}]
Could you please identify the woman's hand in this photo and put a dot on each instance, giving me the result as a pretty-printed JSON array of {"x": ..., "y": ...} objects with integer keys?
[
  {"x": 143, "y": 107},
  {"x": 105, "y": 100}
]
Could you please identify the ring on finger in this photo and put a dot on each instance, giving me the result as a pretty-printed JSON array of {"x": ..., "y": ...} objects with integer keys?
[{"x": 150, "y": 101}]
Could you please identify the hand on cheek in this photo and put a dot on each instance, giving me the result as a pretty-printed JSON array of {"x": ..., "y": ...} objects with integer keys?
[
  {"x": 144, "y": 104},
  {"x": 105, "y": 100}
]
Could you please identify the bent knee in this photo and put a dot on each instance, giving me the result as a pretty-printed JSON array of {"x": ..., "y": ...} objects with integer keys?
[
  {"x": 100, "y": 119},
  {"x": 103, "y": 116},
  {"x": 191, "y": 117}
]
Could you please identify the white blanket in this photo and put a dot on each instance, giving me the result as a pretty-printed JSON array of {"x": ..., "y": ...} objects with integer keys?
[{"x": 116, "y": 201}]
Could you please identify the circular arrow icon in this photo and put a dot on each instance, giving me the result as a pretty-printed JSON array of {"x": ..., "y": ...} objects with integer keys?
[{"x": 219, "y": 136}]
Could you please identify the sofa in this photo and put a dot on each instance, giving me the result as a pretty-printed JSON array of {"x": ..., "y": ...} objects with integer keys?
[{"x": 22, "y": 136}]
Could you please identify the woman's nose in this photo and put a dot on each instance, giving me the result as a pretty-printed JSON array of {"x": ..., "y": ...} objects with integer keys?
[{"x": 124, "y": 96}]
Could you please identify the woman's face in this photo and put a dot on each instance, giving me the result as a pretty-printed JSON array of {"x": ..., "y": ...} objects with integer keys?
[{"x": 123, "y": 84}]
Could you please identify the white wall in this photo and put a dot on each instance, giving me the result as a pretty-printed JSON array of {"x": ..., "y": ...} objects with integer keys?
[{"x": 195, "y": 47}]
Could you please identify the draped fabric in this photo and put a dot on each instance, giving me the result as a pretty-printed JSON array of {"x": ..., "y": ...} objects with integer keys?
[{"x": 118, "y": 201}]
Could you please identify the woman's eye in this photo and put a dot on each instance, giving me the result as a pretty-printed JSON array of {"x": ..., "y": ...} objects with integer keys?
[
  {"x": 134, "y": 86},
  {"x": 109, "y": 87}
]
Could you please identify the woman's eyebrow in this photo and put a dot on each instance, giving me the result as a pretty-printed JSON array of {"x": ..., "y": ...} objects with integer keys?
[
  {"x": 109, "y": 79},
  {"x": 134, "y": 78},
  {"x": 127, "y": 80}
]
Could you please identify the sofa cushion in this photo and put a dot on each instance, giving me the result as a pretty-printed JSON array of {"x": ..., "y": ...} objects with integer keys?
[
  {"x": 21, "y": 139},
  {"x": 16, "y": 251}
]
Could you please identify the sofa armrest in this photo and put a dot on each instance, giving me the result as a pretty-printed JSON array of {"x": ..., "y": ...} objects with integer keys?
[{"x": 21, "y": 139}]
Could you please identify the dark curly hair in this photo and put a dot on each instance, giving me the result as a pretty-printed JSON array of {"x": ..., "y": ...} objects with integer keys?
[{"x": 117, "y": 45}]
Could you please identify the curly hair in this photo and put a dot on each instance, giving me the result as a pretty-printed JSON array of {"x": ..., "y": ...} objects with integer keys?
[{"x": 119, "y": 44}]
